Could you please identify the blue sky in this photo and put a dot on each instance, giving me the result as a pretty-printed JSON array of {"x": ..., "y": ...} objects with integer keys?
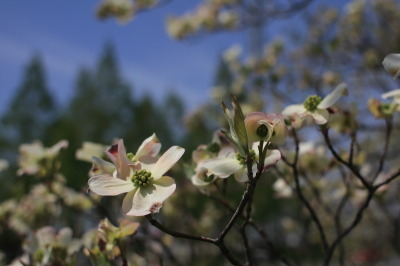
[{"x": 68, "y": 36}]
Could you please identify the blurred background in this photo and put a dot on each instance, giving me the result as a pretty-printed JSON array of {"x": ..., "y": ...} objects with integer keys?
[{"x": 89, "y": 72}]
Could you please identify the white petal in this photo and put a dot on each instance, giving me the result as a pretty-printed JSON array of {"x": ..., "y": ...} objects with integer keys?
[
  {"x": 241, "y": 175},
  {"x": 148, "y": 199},
  {"x": 100, "y": 167},
  {"x": 150, "y": 147},
  {"x": 227, "y": 152},
  {"x": 166, "y": 161},
  {"x": 334, "y": 96},
  {"x": 200, "y": 178},
  {"x": 128, "y": 201},
  {"x": 64, "y": 236},
  {"x": 320, "y": 116},
  {"x": 222, "y": 167},
  {"x": 117, "y": 155},
  {"x": 393, "y": 93},
  {"x": 106, "y": 185},
  {"x": 391, "y": 63},
  {"x": 294, "y": 109},
  {"x": 297, "y": 121},
  {"x": 271, "y": 159}
]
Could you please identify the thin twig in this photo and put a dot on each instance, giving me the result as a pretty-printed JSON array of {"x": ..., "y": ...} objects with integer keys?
[
  {"x": 352, "y": 168},
  {"x": 388, "y": 132},
  {"x": 302, "y": 197}
]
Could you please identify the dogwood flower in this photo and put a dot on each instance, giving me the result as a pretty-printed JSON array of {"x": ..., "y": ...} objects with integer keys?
[
  {"x": 266, "y": 127},
  {"x": 391, "y": 63},
  {"x": 395, "y": 94},
  {"x": 231, "y": 162},
  {"x": 47, "y": 247},
  {"x": 200, "y": 177},
  {"x": 145, "y": 185},
  {"x": 315, "y": 107},
  {"x": 145, "y": 154},
  {"x": 88, "y": 150},
  {"x": 36, "y": 159}
]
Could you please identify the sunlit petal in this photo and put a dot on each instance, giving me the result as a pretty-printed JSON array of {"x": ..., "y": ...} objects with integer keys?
[
  {"x": 222, "y": 167},
  {"x": 150, "y": 147},
  {"x": 149, "y": 199},
  {"x": 106, "y": 185},
  {"x": 320, "y": 116},
  {"x": 271, "y": 159},
  {"x": 101, "y": 166},
  {"x": 117, "y": 155},
  {"x": 294, "y": 109},
  {"x": 166, "y": 161},
  {"x": 334, "y": 96},
  {"x": 393, "y": 93}
]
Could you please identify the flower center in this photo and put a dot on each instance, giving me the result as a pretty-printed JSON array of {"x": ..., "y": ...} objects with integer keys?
[
  {"x": 242, "y": 159},
  {"x": 213, "y": 147},
  {"x": 312, "y": 102},
  {"x": 130, "y": 156},
  {"x": 262, "y": 131},
  {"x": 142, "y": 178}
]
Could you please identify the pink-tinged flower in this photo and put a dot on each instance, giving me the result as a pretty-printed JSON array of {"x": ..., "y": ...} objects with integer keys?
[
  {"x": 266, "y": 127},
  {"x": 391, "y": 63},
  {"x": 229, "y": 162},
  {"x": 145, "y": 184},
  {"x": 146, "y": 154},
  {"x": 315, "y": 107}
]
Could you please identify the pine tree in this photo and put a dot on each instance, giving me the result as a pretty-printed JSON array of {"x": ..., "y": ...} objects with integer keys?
[{"x": 31, "y": 110}]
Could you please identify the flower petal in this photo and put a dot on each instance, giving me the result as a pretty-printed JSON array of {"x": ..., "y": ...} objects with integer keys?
[
  {"x": 393, "y": 93},
  {"x": 271, "y": 159},
  {"x": 334, "y": 96},
  {"x": 166, "y": 161},
  {"x": 106, "y": 185},
  {"x": 241, "y": 175},
  {"x": 150, "y": 147},
  {"x": 391, "y": 63},
  {"x": 128, "y": 201},
  {"x": 100, "y": 167},
  {"x": 320, "y": 116},
  {"x": 294, "y": 109},
  {"x": 222, "y": 167},
  {"x": 88, "y": 150},
  {"x": 149, "y": 199},
  {"x": 117, "y": 155}
]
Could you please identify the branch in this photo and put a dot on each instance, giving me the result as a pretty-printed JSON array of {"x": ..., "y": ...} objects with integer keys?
[
  {"x": 301, "y": 196},
  {"x": 389, "y": 126},
  {"x": 349, "y": 165}
]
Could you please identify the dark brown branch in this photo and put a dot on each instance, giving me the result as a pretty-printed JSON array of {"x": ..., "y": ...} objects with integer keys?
[
  {"x": 351, "y": 167},
  {"x": 301, "y": 195},
  {"x": 388, "y": 132},
  {"x": 355, "y": 222}
]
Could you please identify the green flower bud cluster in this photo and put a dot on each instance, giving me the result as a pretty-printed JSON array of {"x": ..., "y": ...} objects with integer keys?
[
  {"x": 242, "y": 159},
  {"x": 312, "y": 102},
  {"x": 142, "y": 178},
  {"x": 130, "y": 156}
]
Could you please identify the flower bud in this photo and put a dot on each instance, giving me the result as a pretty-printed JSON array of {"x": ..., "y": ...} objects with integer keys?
[{"x": 266, "y": 127}]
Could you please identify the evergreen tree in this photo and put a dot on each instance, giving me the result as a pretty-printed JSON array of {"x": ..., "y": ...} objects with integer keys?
[
  {"x": 101, "y": 108},
  {"x": 31, "y": 110}
]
